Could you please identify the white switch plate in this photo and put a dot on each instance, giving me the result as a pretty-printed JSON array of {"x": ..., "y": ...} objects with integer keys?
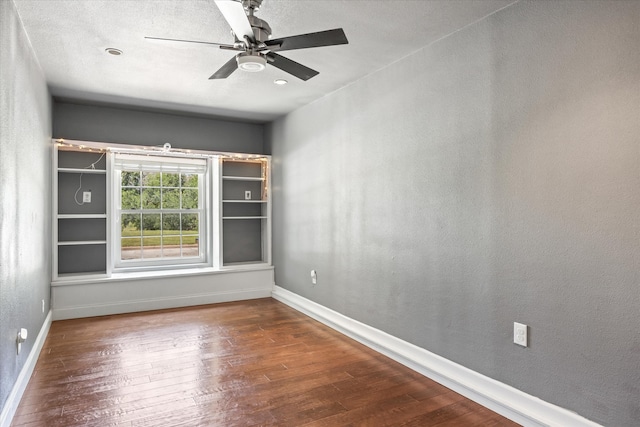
[
  {"x": 520, "y": 334},
  {"x": 86, "y": 197},
  {"x": 247, "y": 195}
]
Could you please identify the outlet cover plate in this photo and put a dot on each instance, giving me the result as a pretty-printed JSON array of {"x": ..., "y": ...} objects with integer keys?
[{"x": 520, "y": 334}]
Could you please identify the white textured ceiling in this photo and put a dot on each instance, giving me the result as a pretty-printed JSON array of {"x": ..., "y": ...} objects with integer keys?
[{"x": 70, "y": 38}]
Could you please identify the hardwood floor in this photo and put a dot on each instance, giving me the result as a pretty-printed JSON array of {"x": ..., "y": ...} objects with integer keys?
[{"x": 247, "y": 363}]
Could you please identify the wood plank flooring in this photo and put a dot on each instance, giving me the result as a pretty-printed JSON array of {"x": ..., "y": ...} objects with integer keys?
[{"x": 248, "y": 363}]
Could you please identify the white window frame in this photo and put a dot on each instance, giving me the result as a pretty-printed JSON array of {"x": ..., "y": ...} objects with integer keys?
[{"x": 154, "y": 164}]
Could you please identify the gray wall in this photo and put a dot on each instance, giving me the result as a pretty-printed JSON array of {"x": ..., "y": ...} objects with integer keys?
[
  {"x": 127, "y": 126},
  {"x": 491, "y": 177},
  {"x": 25, "y": 201}
]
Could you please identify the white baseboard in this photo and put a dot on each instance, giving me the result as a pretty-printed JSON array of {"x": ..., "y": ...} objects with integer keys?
[
  {"x": 11, "y": 405},
  {"x": 509, "y": 402}
]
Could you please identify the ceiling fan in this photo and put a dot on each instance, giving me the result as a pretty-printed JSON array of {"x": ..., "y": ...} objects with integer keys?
[{"x": 256, "y": 47}]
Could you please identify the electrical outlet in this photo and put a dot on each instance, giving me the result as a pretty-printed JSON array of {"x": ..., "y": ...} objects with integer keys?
[
  {"x": 22, "y": 337},
  {"x": 247, "y": 195},
  {"x": 86, "y": 197},
  {"x": 520, "y": 334},
  {"x": 314, "y": 277},
  {"x": 43, "y": 306}
]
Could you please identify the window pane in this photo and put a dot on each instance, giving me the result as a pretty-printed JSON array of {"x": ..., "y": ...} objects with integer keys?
[
  {"x": 130, "y": 198},
  {"x": 130, "y": 225},
  {"x": 170, "y": 198},
  {"x": 130, "y": 179},
  {"x": 190, "y": 224},
  {"x": 190, "y": 249},
  {"x": 189, "y": 199},
  {"x": 170, "y": 180},
  {"x": 131, "y": 236},
  {"x": 172, "y": 251},
  {"x": 151, "y": 242},
  {"x": 189, "y": 180},
  {"x": 151, "y": 247},
  {"x": 131, "y": 248},
  {"x": 190, "y": 236},
  {"x": 171, "y": 224},
  {"x": 151, "y": 225},
  {"x": 150, "y": 198},
  {"x": 151, "y": 179},
  {"x": 171, "y": 240},
  {"x": 190, "y": 239}
]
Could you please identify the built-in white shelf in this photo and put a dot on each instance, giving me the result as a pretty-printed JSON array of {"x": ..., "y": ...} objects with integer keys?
[
  {"x": 77, "y": 170},
  {"x": 78, "y": 216},
  {"x": 82, "y": 275},
  {"x": 244, "y": 201},
  {"x": 247, "y": 264},
  {"x": 242, "y": 178},
  {"x": 244, "y": 217},
  {"x": 82, "y": 242}
]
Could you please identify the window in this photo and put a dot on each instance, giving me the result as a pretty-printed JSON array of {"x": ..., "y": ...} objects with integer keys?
[{"x": 160, "y": 211}]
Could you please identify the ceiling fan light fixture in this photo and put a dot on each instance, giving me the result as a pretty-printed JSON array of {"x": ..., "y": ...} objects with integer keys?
[{"x": 251, "y": 63}]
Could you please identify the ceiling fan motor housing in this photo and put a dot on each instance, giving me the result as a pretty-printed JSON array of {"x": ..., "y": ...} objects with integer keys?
[
  {"x": 251, "y": 62},
  {"x": 261, "y": 29}
]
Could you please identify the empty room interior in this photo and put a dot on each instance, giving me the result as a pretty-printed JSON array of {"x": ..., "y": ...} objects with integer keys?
[{"x": 328, "y": 212}]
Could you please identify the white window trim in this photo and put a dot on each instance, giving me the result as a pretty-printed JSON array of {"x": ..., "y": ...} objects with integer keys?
[{"x": 206, "y": 201}]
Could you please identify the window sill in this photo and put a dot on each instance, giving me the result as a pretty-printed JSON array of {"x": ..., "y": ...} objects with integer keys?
[{"x": 145, "y": 275}]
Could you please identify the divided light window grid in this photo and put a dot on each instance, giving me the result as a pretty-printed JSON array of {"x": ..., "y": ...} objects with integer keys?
[{"x": 160, "y": 208}]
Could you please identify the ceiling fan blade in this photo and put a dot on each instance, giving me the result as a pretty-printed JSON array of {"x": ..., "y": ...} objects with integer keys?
[
  {"x": 234, "y": 13},
  {"x": 291, "y": 67},
  {"x": 226, "y": 70},
  {"x": 304, "y": 41},
  {"x": 161, "y": 40}
]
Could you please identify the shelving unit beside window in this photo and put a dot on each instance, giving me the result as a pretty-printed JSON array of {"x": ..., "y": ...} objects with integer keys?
[
  {"x": 246, "y": 226},
  {"x": 80, "y": 213}
]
